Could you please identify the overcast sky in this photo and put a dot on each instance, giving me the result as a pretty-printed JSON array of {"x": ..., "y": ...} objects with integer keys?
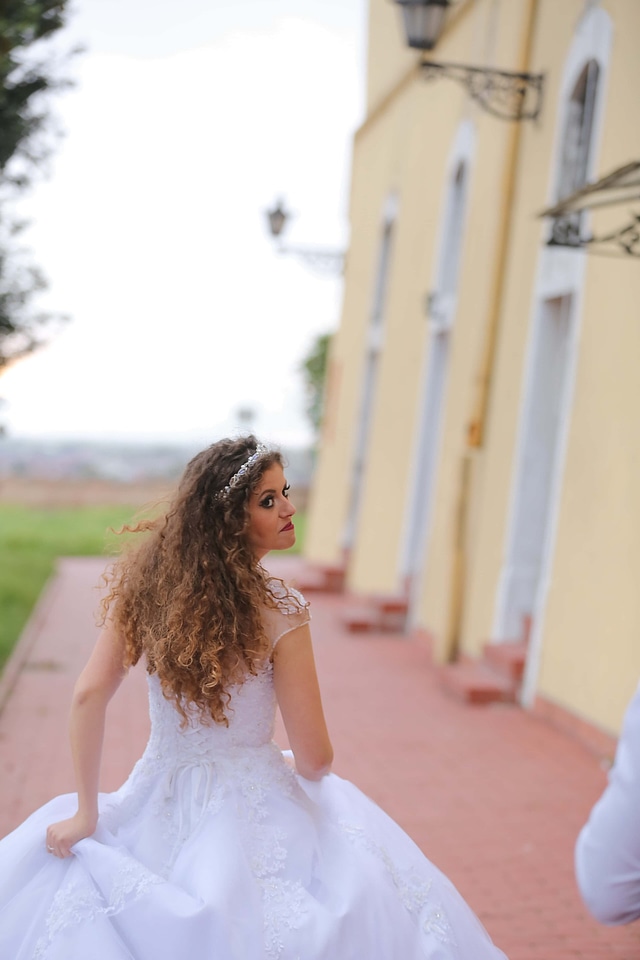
[{"x": 186, "y": 122}]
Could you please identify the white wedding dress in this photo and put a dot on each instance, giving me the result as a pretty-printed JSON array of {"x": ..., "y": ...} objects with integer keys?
[{"x": 214, "y": 849}]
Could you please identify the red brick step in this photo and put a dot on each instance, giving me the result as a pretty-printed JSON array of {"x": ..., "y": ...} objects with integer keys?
[
  {"x": 476, "y": 683},
  {"x": 507, "y": 658},
  {"x": 378, "y": 613}
]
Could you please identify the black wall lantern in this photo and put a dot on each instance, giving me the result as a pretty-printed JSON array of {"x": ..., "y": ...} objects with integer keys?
[
  {"x": 505, "y": 94},
  {"x": 423, "y": 22},
  {"x": 325, "y": 262}
]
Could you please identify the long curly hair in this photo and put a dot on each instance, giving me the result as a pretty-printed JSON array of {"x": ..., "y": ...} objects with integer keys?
[{"x": 190, "y": 595}]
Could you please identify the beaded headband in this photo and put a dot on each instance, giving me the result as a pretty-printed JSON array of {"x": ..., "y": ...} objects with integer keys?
[{"x": 261, "y": 449}]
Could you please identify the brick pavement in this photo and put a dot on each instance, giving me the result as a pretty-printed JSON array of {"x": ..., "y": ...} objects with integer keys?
[{"x": 493, "y": 795}]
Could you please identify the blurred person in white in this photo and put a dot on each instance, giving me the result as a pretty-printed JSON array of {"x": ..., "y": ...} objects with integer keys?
[{"x": 607, "y": 855}]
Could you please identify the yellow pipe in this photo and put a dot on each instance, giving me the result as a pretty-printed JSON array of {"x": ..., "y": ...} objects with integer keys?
[
  {"x": 477, "y": 425},
  {"x": 478, "y": 421}
]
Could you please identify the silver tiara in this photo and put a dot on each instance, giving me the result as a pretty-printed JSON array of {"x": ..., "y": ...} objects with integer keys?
[{"x": 261, "y": 449}]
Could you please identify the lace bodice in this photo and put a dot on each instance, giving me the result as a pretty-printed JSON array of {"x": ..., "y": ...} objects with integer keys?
[
  {"x": 251, "y": 715},
  {"x": 251, "y": 711},
  {"x": 188, "y": 768}
]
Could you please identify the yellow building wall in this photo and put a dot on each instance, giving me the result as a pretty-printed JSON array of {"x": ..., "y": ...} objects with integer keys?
[
  {"x": 388, "y": 59},
  {"x": 380, "y": 159},
  {"x": 475, "y": 302},
  {"x": 432, "y": 114},
  {"x": 418, "y": 162},
  {"x": 403, "y": 148},
  {"x": 374, "y": 177},
  {"x": 331, "y": 484},
  {"x": 590, "y": 658},
  {"x": 493, "y": 464}
]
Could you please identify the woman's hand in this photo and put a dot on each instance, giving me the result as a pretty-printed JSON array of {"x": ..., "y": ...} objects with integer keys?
[
  {"x": 289, "y": 759},
  {"x": 61, "y": 836},
  {"x": 93, "y": 690}
]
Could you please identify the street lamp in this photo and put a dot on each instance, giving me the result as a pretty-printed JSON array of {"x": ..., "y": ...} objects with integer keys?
[
  {"x": 277, "y": 218},
  {"x": 503, "y": 93},
  {"x": 326, "y": 262},
  {"x": 423, "y": 22}
]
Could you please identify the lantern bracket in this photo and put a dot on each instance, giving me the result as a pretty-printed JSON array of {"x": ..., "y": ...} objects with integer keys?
[
  {"x": 505, "y": 94},
  {"x": 618, "y": 188}
]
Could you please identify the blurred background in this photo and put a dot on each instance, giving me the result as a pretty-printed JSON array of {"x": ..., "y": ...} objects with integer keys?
[
  {"x": 148, "y": 304},
  {"x": 398, "y": 238},
  {"x": 183, "y": 125}
]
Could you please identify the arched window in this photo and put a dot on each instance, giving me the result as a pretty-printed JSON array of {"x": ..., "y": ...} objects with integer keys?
[
  {"x": 442, "y": 302},
  {"x": 453, "y": 238},
  {"x": 576, "y": 150},
  {"x": 373, "y": 353}
]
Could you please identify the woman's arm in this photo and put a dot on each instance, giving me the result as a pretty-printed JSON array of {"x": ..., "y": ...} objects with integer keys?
[
  {"x": 298, "y": 693},
  {"x": 93, "y": 690}
]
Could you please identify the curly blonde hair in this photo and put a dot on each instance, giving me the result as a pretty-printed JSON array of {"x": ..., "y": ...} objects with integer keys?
[{"x": 190, "y": 596}]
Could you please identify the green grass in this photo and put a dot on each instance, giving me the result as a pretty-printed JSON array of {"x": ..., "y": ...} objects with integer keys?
[{"x": 31, "y": 538}]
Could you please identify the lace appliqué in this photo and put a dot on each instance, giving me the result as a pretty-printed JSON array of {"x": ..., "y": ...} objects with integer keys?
[
  {"x": 282, "y": 900},
  {"x": 127, "y": 802},
  {"x": 212, "y": 765},
  {"x": 284, "y": 908},
  {"x": 289, "y": 599},
  {"x": 76, "y": 902},
  {"x": 413, "y": 891},
  {"x": 291, "y": 612}
]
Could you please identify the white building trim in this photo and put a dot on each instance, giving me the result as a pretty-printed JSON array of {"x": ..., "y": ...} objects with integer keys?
[
  {"x": 560, "y": 276},
  {"x": 441, "y": 309}
]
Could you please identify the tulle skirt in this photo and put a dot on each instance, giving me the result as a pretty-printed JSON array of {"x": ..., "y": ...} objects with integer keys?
[{"x": 210, "y": 864}]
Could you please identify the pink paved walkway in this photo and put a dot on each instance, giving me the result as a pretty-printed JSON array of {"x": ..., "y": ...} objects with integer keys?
[{"x": 493, "y": 795}]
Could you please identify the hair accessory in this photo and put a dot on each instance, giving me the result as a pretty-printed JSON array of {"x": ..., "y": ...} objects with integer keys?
[{"x": 261, "y": 449}]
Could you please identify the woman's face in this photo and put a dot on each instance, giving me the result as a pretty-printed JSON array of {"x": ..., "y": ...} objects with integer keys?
[{"x": 270, "y": 513}]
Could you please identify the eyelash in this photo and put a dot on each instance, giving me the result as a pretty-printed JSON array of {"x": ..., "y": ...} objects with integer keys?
[{"x": 267, "y": 503}]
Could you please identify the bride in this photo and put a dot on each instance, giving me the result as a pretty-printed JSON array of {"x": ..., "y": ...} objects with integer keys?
[{"x": 219, "y": 845}]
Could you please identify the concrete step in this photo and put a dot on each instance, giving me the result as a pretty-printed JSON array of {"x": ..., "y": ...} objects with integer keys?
[
  {"x": 391, "y": 611},
  {"x": 508, "y": 658},
  {"x": 320, "y": 579},
  {"x": 361, "y": 620},
  {"x": 476, "y": 683},
  {"x": 379, "y": 613}
]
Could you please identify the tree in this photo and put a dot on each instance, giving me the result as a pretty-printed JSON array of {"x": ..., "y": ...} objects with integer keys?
[
  {"x": 22, "y": 327},
  {"x": 29, "y": 72},
  {"x": 314, "y": 370}
]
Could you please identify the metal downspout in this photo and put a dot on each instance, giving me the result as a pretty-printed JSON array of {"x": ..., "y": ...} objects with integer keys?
[{"x": 477, "y": 426}]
